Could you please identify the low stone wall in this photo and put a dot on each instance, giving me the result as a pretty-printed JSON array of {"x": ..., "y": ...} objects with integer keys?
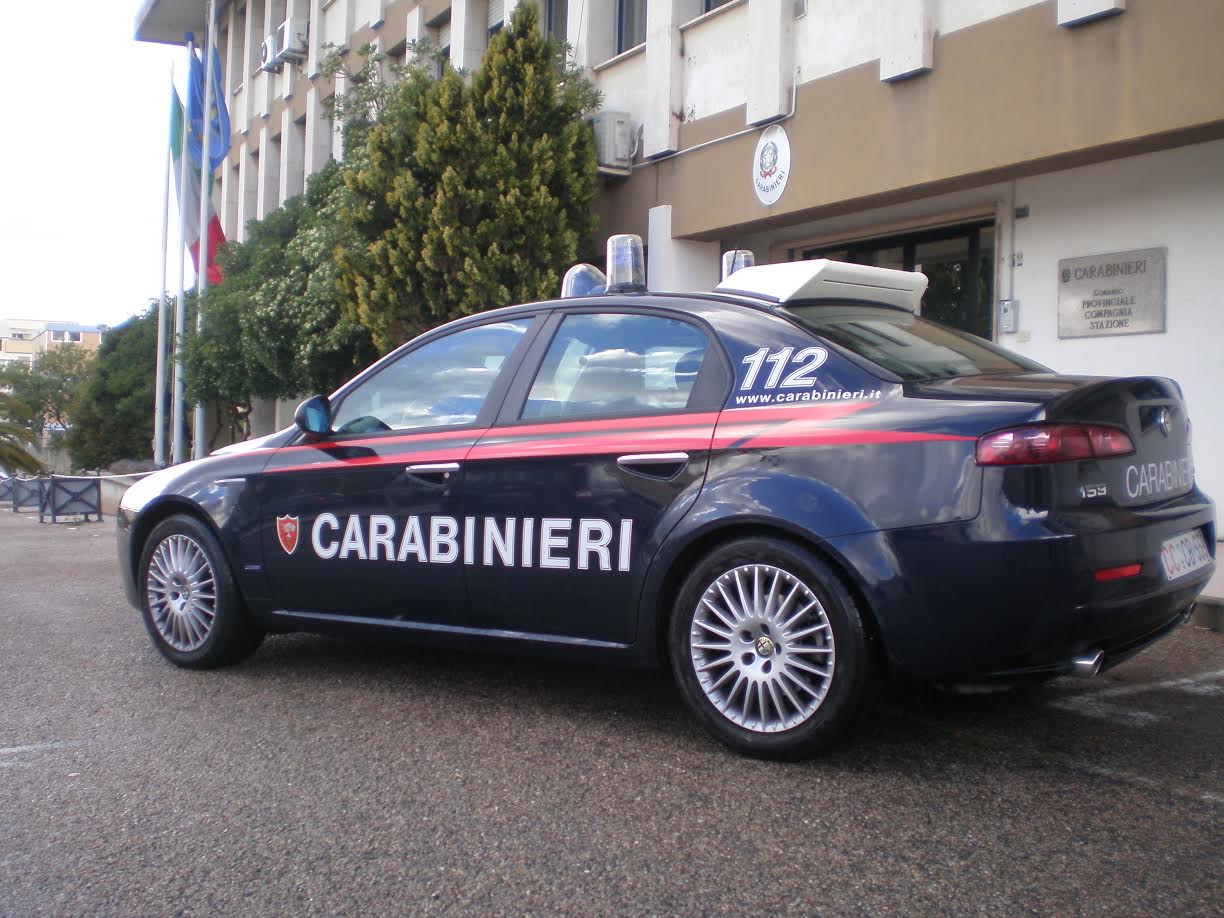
[{"x": 113, "y": 488}]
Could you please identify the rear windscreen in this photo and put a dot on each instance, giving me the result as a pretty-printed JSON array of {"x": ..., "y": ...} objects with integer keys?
[{"x": 906, "y": 345}]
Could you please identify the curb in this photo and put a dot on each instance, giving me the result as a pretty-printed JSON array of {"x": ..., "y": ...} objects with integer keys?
[{"x": 1209, "y": 613}]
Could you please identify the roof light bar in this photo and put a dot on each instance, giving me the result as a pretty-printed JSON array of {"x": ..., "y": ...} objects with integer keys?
[
  {"x": 821, "y": 279},
  {"x": 583, "y": 280},
  {"x": 626, "y": 264}
]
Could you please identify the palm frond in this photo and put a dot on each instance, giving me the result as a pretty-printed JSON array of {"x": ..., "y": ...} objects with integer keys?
[{"x": 16, "y": 459}]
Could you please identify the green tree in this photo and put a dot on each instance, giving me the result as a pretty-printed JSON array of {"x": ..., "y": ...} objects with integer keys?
[
  {"x": 15, "y": 436},
  {"x": 46, "y": 389},
  {"x": 112, "y": 417},
  {"x": 275, "y": 327},
  {"x": 370, "y": 85},
  {"x": 295, "y": 333},
  {"x": 474, "y": 196}
]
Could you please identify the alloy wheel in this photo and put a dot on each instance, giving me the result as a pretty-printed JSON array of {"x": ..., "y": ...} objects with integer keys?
[
  {"x": 762, "y": 648},
  {"x": 181, "y": 591}
]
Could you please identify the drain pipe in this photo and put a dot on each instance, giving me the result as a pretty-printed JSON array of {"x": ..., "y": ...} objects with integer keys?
[{"x": 752, "y": 130}]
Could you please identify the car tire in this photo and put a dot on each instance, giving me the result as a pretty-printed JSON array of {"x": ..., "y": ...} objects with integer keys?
[
  {"x": 789, "y": 678},
  {"x": 189, "y": 602}
]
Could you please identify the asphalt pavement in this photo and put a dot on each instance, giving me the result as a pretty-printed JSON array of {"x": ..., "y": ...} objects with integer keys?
[{"x": 328, "y": 776}]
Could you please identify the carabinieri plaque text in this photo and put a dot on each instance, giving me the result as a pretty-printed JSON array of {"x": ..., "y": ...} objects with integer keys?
[{"x": 1118, "y": 294}]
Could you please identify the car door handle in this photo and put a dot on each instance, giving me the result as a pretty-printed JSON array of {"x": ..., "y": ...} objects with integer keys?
[
  {"x": 656, "y": 465},
  {"x": 432, "y": 472}
]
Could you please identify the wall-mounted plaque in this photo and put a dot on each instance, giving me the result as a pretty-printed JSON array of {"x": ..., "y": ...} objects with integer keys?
[{"x": 1118, "y": 294}]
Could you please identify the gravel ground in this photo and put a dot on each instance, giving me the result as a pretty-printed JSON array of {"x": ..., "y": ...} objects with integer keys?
[{"x": 328, "y": 776}]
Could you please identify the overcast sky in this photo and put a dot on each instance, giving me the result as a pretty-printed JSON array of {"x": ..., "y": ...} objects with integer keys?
[{"x": 86, "y": 135}]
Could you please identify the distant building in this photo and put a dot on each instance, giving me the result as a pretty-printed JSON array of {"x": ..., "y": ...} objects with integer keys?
[{"x": 22, "y": 340}]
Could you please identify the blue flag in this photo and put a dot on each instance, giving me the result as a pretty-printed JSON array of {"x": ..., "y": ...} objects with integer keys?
[{"x": 219, "y": 123}]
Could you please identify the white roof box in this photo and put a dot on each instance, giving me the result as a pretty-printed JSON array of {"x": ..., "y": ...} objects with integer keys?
[{"x": 821, "y": 279}]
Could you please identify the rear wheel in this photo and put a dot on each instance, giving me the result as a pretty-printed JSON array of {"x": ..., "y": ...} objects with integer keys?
[
  {"x": 190, "y": 604},
  {"x": 769, "y": 648}
]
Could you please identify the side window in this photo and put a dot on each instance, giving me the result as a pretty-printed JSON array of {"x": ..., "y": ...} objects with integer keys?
[
  {"x": 442, "y": 383},
  {"x": 617, "y": 363}
]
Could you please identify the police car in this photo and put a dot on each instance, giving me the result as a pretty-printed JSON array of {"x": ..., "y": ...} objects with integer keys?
[{"x": 782, "y": 489}]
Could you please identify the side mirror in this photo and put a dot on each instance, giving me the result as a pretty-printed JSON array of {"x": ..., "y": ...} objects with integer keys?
[{"x": 313, "y": 417}]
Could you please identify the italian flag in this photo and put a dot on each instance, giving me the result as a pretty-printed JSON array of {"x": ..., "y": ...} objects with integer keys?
[{"x": 189, "y": 198}]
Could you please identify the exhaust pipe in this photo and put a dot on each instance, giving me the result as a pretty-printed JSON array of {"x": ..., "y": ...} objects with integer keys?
[{"x": 1087, "y": 664}]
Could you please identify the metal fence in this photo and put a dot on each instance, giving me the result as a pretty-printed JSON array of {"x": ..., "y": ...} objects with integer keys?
[
  {"x": 78, "y": 497},
  {"x": 27, "y": 493},
  {"x": 54, "y": 496}
]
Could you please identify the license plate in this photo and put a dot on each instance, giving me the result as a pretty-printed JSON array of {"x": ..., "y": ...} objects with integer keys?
[{"x": 1184, "y": 554}]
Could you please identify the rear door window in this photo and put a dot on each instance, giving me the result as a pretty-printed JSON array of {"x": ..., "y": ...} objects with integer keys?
[
  {"x": 617, "y": 364},
  {"x": 906, "y": 345}
]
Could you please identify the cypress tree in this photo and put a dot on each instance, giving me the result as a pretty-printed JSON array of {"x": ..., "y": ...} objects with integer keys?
[{"x": 475, "y": 196}]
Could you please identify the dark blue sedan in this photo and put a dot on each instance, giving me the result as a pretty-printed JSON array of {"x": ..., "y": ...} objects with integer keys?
[{"x": 782, "y": 489}]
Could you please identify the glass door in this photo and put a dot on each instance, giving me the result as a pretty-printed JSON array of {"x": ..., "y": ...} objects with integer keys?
[{"x": 958, "y": 260}]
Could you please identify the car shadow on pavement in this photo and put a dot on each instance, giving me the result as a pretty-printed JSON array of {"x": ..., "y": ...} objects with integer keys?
[
  {"x": 519, "y": 706},
  {"x": 905, "y": 727}
]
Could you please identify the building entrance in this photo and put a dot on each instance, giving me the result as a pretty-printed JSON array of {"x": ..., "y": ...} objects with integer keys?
[{"x": 958, "y": 260}]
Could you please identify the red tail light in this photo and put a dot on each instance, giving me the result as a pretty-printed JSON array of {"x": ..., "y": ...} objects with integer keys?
[
  {"x": 1039, "y": 443},
  {"x": 1124, "y": 572}
]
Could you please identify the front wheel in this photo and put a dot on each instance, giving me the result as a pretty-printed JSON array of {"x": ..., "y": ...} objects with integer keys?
[
  {"x": 769, "y": 648},
  {"x": 190, "y": 604}
]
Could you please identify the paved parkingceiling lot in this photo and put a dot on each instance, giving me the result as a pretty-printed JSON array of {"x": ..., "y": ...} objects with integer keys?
[{"x": 330, "y": 776}]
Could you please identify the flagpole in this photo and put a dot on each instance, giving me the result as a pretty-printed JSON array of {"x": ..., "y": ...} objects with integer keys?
[
  {"x": 210, "y": 38},
  {"x": 180, "y": 311},
  {"x": 159, "y": 397}
]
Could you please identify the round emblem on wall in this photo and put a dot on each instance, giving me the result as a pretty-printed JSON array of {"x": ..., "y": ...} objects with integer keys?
[{"x": 771, "y": 165}]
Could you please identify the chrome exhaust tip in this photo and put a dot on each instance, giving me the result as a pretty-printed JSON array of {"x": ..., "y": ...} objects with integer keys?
[{"x": 1087, "y": 664}]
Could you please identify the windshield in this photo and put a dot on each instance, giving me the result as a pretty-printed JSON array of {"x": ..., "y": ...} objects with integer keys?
[{"x": 906, "y": 345}]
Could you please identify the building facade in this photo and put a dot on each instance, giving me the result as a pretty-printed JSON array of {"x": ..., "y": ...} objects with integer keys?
[
  {"x": 22, "y": 340},
  {"x": 1056, "y": 167}
]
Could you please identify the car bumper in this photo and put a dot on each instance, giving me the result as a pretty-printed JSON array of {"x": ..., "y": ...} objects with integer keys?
[{"x": 1000, "y": 599}]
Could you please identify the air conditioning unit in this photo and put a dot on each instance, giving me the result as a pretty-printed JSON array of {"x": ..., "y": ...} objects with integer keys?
[
  {"x": 614, "y": 141},
  {"x": 291, "y": 41},
  {"x": 267, "y": 54}
]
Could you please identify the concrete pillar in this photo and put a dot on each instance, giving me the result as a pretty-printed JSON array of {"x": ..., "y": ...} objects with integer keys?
[
  {"x": 268, "y": 177},
  {"x": 469, "y": 32},
  {"x": 231, "y": 190},
  {"x": 677, "y": 265},
  {"x": 770, "y": 56},
  {"x": 665, "y": 73},
  {"x": 248, "y": 167},
  {"x": 415, "y": 29},
  {"x": 263, "y": 416},
  {"x": 318, "y": 139},
  {"x": 232, "y": 54},
  {"x": 293, "y": 151},
  {"x": 314, "y": 39},
  {"x": 377, "y": 15},
  {"x": 335, "y": 140},
  {"x": 591, "y": 32},
  {"x": 907, "y": 38},
  {"x": 249, "y": 65}
]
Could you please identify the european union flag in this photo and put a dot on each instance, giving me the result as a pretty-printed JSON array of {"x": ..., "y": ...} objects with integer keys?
[{"x": 219, "y": 123}]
